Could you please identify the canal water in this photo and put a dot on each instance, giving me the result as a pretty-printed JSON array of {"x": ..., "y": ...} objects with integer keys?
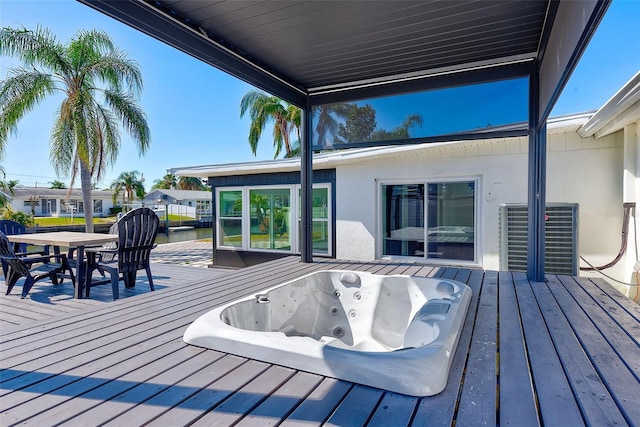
[{"x": 184, "y": 235}]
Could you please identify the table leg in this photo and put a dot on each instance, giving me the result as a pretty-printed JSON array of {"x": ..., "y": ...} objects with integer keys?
[{"x": 80, "y": 272}]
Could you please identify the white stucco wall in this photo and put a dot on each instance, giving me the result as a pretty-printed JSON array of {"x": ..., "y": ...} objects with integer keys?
[
  {"x": 18, "y": 204},
  {"x": 583, "y": 171}
]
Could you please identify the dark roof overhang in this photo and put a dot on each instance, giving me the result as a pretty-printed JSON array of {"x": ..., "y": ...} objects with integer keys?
[{"x": 336, "y": 51}]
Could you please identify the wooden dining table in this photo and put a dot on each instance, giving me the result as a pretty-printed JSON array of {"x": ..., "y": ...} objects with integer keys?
[{"x": 67, "y": 239}]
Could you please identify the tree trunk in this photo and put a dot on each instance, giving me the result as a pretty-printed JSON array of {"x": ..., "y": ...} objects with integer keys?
[
  {"x": 287, "y": 145},
  {"x": 85, "y": 184}
]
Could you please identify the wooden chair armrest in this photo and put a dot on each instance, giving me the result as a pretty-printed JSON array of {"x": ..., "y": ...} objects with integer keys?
[
  {"x": 29, "y": 253},
  {"x": 98, "y": 249}
]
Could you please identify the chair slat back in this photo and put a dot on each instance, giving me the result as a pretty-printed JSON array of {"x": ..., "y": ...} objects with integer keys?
[
  {"x": 8, "y": 255},
  {"x": 10, "y": 227},
  {"x": 137, "y": 231}
]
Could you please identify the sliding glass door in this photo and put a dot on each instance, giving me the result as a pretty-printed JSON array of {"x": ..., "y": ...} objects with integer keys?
[
  {"x": 430, "y": 220},
  {"x": 270, "y": 211}
]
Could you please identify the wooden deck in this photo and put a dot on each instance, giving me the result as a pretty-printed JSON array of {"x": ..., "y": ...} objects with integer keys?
[
  {"x": 565, "y": 352},
  {"x": 46, "y": 301}
]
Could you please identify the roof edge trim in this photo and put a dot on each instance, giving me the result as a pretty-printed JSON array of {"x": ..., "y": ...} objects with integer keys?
[
  {"x": 418, "y": 75},
  {"x": 623, "y": 100}
]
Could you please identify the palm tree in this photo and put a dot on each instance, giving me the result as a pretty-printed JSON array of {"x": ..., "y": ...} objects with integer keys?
[
  {"x": 328, "y": 116},
  {"x": 129, "y": 184},
  {"x": 5, "y": 187},
  {"x": 9, "y": 186},
  {"x": 59, "y": 185},
  {"x": 167, "y": 182},
  {"x": 191, "y": 183},
  {"x": 264, "y": 108},
  {"x": 85, "y": 138}
]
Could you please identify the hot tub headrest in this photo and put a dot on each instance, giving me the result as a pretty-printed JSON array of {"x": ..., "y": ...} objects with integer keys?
[{"x": 350, "y": 279}]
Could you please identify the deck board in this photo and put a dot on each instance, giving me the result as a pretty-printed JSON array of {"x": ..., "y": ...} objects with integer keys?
[
  {"x": 597, "y": 404},
  {"x": 557, "y": 406},
  {"x": 356, "y": 407},
  {"x": 439, "y": 410},
  {"x": 320, "y": 403},
  {"x": 393, "y": 410},
  {"x": 516, "y": 394},
  {"x": 617, "y": 378},
  {"x": 478, "y": 397},
  {"x": 550, "y": 353}
]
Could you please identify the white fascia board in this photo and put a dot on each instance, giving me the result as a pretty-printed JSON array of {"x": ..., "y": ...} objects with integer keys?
[{"x": 617, "y": 112}]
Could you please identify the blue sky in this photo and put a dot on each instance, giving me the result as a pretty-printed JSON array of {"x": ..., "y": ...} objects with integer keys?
[{"x": 193, "y": 109}]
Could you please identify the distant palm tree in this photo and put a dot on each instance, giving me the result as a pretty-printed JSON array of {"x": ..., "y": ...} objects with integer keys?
[
  {"x": 85, "y": 136},
  {"x": 327, "y": 117},
  {"x": 59, "y": 185},
  {"x": 128, "y": 184},
  {"x": 191, "y": 183},
  {"x": 9, "y": 186},
  {"x": 6, "y": 187},
  {"x": 262, "y": 109},
  {"x": 168, "y": 182}
]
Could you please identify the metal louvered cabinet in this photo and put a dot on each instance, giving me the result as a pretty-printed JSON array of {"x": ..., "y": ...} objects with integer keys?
[{"x": 561, "y": 238}]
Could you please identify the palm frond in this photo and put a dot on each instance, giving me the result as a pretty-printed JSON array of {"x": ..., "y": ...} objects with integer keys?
[
  {"x": 22, "y": 91},
  {"x": 120, "y": 73},
  {"x": 33, "y": 48},
  {"x": 133, "y": 119}
]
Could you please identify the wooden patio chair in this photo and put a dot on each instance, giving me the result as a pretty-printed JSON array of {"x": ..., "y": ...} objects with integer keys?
[
  {"x": 18, "y": 267},
  {"x": 137, "y": 231}
]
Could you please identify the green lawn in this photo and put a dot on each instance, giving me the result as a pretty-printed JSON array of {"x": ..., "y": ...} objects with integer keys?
[{"x": 52, "y": 221}]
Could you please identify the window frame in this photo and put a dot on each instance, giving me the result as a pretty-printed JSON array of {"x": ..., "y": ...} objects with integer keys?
[
  {"x": 294, "y": 220},
  {"x": 297, "y": 191},
  {"x": 247, "y": 214},
  {"x": 218, "y": 218},
  {"x": 477, "y": 211}
]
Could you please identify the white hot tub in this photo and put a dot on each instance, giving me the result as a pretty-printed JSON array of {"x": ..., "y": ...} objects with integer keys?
[{"x": 398, "y": 333}]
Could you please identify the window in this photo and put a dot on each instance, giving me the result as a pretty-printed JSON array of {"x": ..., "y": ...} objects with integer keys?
[
  {"x": 447, "y": 208},
  {"x": 230, "y": 217},
  {"x": 97, "y": 206},
  {"x": 261, "y": 218},
  {"x": 270, "y": 216},
  {"x": 478, "y": 107},
  {"x": 72, "y": 206},
  {"x": 203, "y": 206},
  {"x": 403, "y": 219},
  {"x": 320, "y": 214},
  {"x": 49, "y": 206}
]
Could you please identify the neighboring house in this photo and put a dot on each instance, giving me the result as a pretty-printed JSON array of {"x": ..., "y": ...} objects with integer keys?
[
  {"x": 200, "y": 201},
  {"x": 444, "y": 203},
  {"x": 57, "y": 202}
]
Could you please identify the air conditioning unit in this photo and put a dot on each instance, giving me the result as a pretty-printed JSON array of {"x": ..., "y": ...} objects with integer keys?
[{"x": 561, "y": 238}]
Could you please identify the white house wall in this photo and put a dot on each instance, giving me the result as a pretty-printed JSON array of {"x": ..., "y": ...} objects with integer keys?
[
  {"x": 631, "y": 185},
  {"x": 584, "y": 171},
  {"x": 23, "y": 205}
]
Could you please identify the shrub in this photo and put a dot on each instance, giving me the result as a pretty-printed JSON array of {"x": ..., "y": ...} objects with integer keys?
[{"x": 21, "y": 217}]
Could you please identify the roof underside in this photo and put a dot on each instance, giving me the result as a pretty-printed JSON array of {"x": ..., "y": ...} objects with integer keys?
[
  {"x": 322, "y": 44},
  {"x": 301, "y": 48}
]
